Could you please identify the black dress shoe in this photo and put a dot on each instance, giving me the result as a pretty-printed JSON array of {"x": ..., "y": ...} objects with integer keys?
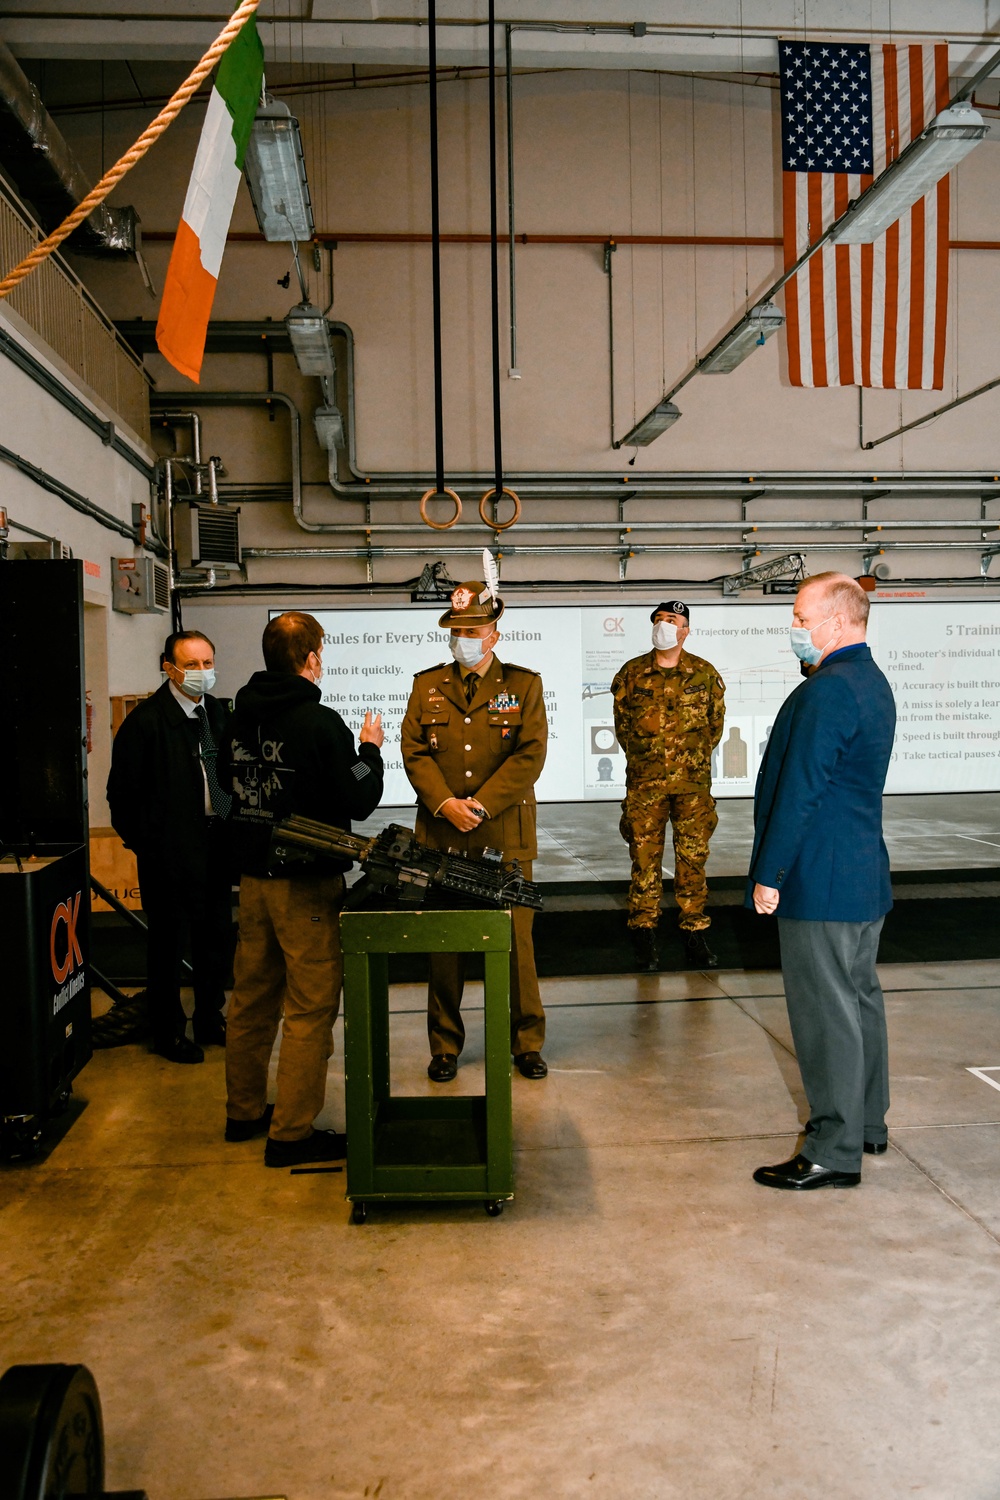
[
  {"x": 647, "y": 952},
  {"x": 245, "y": 1130},
  {"x": 531, "y": 1064},
  {"x": 322, "y": 1145},
  {"x": 698, "y": 950},
  {"x": 178, "y": 1049},
  {"x": 801, "y": 1174},
  {"x": 442, "y": 1067},
  {"x": 876, "y": 1148},
  {"x": 210, "y": 1033}
]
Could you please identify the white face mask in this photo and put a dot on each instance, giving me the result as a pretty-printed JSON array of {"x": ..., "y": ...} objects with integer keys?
[
  {"x": 468, "y": 650},
  {"x": 197, "y": 682},
  {"x": 664, "y": 635}
]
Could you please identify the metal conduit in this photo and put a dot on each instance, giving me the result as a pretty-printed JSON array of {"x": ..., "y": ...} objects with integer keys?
[
  {"x": 572, "y": 485},
  {"x": 748, "y": 527},
  {"x": 598, "y": 549}
]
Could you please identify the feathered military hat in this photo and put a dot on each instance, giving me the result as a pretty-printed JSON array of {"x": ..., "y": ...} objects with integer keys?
[{"x": 478, "y": 602}]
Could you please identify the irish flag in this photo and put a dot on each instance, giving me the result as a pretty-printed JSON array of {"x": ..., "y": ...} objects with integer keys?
[{"x": 189, "y": 289}]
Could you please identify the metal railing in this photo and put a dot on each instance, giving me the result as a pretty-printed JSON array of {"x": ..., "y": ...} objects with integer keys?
[{"x": 56, "y": 304}]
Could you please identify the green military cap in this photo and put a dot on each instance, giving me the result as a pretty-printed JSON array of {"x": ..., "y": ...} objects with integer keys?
[{"x": 472, "y": 604}]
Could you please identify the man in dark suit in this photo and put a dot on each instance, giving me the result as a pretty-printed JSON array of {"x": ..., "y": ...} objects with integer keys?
[
  {"x": 820, "y": 862},
  {"x": 168, "y": 806}
]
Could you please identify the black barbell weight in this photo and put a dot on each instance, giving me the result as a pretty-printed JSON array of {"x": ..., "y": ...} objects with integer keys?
[{"x": 52, "y": 1436}]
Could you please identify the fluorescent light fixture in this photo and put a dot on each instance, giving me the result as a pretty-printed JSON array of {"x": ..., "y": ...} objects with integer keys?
[
  {"x": 329, "y": 425},
  {"x": 758, "y": 325},
  {"x": 275, "y": 171},
  {"x": 311, "y": 342},
  {"x": 663, "y": 415},
  {"x": 949, "y": 138}
]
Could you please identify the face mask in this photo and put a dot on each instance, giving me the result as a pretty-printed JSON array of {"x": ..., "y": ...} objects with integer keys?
[
  {"x": 468, "y": 650},
  {"x": 197, "y": 682},
  {"x": 664, "y": 635},
  {"x": 802, "y": 643}
]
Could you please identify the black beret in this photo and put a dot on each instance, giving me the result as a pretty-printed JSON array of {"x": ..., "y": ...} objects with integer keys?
[{"x": 676, "y": 608}]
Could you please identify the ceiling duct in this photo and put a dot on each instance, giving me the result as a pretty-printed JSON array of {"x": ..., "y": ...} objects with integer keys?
[{"x": 37, "y": 161}]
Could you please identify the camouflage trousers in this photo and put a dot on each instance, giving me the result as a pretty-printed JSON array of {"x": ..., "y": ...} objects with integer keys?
[{"x": 646, "y": 812}]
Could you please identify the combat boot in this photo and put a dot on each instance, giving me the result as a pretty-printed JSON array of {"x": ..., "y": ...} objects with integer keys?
[
  {"x": 647, "y": 952},
  {"x": 698, "y": 951}
]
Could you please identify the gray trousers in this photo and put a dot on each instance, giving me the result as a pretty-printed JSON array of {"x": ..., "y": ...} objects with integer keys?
[{"x": 837, "y": 1016}]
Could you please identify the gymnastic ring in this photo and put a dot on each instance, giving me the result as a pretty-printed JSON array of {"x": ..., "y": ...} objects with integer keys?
[
  {"x": 434, "y": 494},
  {"x": 500, "y": 525}
]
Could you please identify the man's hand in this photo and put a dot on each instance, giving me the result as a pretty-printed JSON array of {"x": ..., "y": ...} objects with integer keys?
[
  {"x": 459, "y": 812},
  {"x": 765, "y": 900},
  {"x": 372, "y": 732}
]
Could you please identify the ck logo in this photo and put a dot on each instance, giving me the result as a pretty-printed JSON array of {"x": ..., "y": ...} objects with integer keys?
[
  {"x": 614, "y": 625},
  {"x": 66, "y": 914},
  {"x": 271, "y": 749}
]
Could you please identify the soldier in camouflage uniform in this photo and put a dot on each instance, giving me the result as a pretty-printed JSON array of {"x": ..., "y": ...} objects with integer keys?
[{"x": 669, "y": 713}]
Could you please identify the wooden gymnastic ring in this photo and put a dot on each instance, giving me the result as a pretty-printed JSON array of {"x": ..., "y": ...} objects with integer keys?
[
  {"x": 500, "y": 525},
  {"x": 434, "y": 494}
]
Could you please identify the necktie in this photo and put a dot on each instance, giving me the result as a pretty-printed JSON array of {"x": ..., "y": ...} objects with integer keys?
[
  {"x": 471, "y": 683},
  {"x": 220, "y": 800}
]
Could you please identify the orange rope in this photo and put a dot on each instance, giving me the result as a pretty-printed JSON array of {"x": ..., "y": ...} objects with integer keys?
[{"x": 135, "y": 153}]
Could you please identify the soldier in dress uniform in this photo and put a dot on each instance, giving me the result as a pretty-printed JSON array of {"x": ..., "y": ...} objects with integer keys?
[
  {"x": 669, "y": 712},
  {"x": 473, "y": 742}
]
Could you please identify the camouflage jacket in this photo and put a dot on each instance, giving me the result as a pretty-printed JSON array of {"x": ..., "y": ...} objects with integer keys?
[{"x": 668, "y": 720}]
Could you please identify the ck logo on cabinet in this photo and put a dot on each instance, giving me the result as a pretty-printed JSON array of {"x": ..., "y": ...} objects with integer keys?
[{"x": 65, "y": 953}]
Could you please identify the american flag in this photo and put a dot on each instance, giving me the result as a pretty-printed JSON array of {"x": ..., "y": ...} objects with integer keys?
[{"x": 870, "y": 315}]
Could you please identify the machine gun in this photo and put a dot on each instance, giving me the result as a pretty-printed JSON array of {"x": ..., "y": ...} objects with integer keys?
[{"x": 394, "y": 860}]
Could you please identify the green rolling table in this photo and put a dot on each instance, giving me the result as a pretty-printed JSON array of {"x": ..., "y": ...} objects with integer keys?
[{"x": 441, "y": 1147}]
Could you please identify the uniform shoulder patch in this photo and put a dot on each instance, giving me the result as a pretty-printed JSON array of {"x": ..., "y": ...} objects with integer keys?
[
  {"x": 426, "y": 670},
  {"x": 528, "y": 671}
]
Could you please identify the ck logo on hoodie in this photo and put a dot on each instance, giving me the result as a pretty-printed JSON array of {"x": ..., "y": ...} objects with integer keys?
[{"x": 262, "y": 786}]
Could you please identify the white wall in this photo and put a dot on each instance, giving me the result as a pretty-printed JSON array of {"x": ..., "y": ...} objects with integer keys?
[{"x": 121, "y": 650}]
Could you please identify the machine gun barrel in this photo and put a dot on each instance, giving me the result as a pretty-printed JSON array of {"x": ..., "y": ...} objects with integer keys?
[
  {"x": 393, "y": 859},
  {"x": 303, "y": 837}
]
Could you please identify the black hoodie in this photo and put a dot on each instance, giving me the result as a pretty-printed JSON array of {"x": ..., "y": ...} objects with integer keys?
[{"x": 290, "y": 754}]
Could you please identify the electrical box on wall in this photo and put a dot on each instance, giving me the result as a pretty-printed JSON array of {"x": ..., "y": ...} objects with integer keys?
[
  {"x": 142, "y": 586},
  {"x": 207, "y": 536}
]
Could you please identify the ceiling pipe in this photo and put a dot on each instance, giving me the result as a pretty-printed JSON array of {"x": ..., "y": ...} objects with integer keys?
[
  {"x": 404, "y": 588},
  {"x": 35, "y": 156},
  {"x": 599, "y": 549},
  {"x": 265, "y": 337},
  {"x": 749, "y": 528}
]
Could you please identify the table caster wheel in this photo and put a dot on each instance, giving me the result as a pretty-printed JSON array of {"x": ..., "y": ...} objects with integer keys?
[
  {"x": 359, "y": 1213},
  {"x": 494, "y": 1207}
]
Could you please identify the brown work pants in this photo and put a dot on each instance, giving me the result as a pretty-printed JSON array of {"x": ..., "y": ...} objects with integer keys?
[
  {"x": 445, "y": 1027},
  {"x": 288, "y": 967}
]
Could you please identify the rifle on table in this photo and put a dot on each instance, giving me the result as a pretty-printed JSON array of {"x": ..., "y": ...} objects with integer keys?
[{"x": 394, "y": 860}]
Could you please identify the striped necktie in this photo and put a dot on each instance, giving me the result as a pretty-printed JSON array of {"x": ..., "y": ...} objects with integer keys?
[{"x": 220, "y": 800}]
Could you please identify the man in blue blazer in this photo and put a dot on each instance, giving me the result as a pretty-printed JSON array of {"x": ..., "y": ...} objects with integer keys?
[{"x": 820, "y": 862}]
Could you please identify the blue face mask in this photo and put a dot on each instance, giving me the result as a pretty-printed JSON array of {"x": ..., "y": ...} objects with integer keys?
[
  {"x": 197, "y": 682},
  {"x": 802, "y": 643},
  {"x": 468, "y": 650}
]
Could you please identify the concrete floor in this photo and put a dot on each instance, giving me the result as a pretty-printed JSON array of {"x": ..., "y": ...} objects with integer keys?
[
  {"x": 580, "y": 840},
  {"x": 643, "y": 1321}
]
